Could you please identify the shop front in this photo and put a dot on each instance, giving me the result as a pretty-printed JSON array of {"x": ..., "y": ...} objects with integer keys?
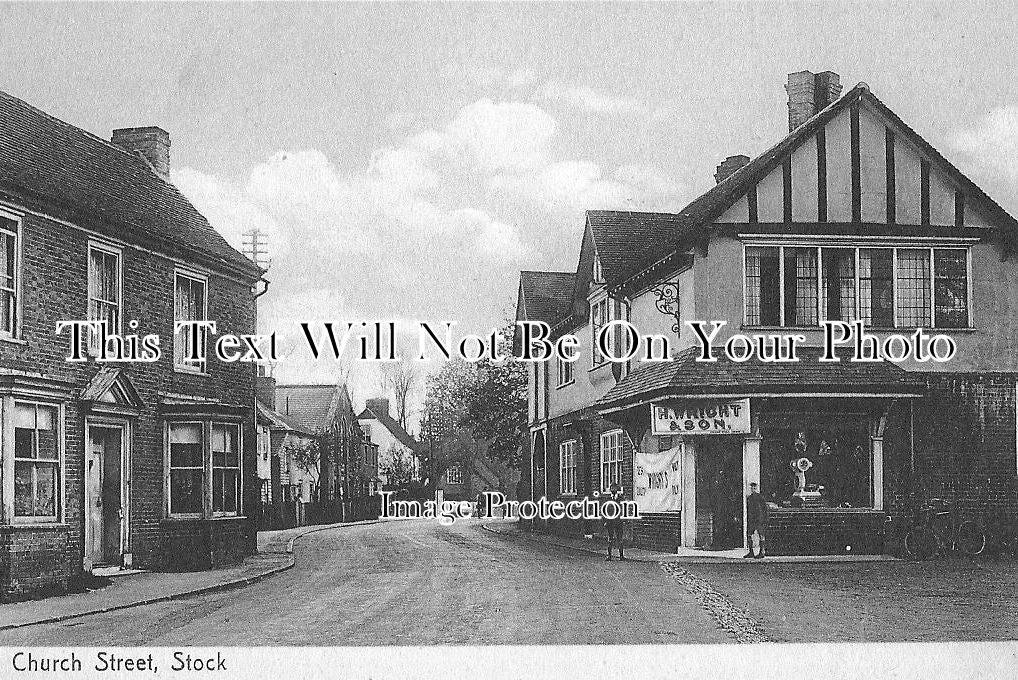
[{"x": 810, "y": 434}]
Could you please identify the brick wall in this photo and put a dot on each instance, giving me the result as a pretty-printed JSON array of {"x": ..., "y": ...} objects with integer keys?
[
  {"x": 54, "y": 287},
  {"x": 34, "y": 561},
  {"x": 660, "y": 532},
  {"x": 191, "y": 545}
]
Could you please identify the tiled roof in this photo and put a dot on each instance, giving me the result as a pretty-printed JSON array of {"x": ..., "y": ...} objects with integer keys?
[
  {"x": 389, "y": 423},
  {"x": 627, "y": 242},
  {"x": 547, "y": 295},
  {"x": 275, "y": 419},
  {"x": 686, "y": 376},
  {"x": 310, "y": 407},
  {"x": 64, "y": 171}
]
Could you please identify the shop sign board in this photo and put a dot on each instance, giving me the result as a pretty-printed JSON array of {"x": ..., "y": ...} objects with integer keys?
[{"x": 700, "y": 416}]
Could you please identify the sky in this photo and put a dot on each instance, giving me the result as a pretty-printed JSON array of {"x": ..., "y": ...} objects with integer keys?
[{"x": 406, "y": 161}]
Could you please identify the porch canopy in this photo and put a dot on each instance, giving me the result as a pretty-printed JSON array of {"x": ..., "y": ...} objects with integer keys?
[{"x": 685, "y": 377}]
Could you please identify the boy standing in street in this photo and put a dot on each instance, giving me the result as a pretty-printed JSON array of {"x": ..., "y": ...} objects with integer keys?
[{"x": 756, "y": 521}]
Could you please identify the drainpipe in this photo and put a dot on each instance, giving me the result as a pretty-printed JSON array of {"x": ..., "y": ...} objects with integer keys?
[{"x": 254, "y": 404}]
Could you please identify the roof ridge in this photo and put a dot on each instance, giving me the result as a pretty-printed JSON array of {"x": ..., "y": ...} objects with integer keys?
[{"x": 50, "y": 116}]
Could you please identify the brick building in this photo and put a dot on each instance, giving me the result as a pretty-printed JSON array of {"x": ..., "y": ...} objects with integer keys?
[
  {"x": 852, "y": 216},
  {"x": 143, "y": 464}
]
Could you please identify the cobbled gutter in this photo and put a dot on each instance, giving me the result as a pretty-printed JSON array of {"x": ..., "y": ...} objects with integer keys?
[{"x": 730, "y": 618}]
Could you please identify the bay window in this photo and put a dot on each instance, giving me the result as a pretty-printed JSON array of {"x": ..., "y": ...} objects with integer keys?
[
  {"x": 36, "y": 462},
  {"x": 885, "y": 287},
  {"x": 204, "y": 469}
]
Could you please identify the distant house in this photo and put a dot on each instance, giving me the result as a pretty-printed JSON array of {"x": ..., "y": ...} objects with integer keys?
[
  {"x": 394, "y": 442},
  {"x": 468, "y": 471},
  {"x": 287, "y": 479},
  {"x": 345, "y": 478},
  {"x": 107, "y": 465}
]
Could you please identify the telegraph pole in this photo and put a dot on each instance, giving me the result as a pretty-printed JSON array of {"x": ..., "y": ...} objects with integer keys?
[{"x": 256, "y": 247}]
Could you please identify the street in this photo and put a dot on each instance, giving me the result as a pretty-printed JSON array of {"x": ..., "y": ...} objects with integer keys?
[{"x": 414, "y": 583}]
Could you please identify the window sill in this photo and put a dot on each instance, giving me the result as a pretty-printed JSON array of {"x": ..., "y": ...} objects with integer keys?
[
  {"x": 23, "y": 524},
  {"x": 13, "y": 341},
  {"x": 189, "y": 370},
  {"x": 565, "y": 384},
  {"x": 601, "y": 365}
]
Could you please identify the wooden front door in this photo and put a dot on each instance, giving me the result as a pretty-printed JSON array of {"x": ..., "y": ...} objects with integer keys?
[{"x": 104, "y": 513}]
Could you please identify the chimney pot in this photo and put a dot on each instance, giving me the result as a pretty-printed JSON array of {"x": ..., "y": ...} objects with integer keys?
[
  {"x": 151, "y": 142},
  {"x": 729, "y": 166},
  {"x": 809, "y": 93}
]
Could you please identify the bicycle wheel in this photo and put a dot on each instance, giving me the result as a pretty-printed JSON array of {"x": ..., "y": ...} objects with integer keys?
[
  {"x": 920, "y": 543},
  {"x": 970, "y": 538}
]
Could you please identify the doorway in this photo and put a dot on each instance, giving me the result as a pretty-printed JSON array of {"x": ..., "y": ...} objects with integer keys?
[
  {"x": 105, "y": 506},
  {"x": 719, "y": 492}
]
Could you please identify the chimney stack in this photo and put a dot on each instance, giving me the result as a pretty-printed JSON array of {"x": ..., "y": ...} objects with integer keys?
[
  {"x": 378, "y": 406},
  {"x": 809, "y": 93},
  {"x": 728, "y": 166},
  {"x": 265, "y": 389},
  {"x": 152, "y": 142}
]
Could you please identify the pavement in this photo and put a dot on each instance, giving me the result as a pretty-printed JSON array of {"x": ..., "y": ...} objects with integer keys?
[
  {"x": 596, "y": 545},
  {"x": 412, "y": 582},
  {"x": 139, "y": 588}
]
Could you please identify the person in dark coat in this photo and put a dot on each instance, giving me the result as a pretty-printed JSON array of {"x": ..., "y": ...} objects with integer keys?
[
  {"x": 756, "y": 521},
  {"x": 613, "y": 527}
]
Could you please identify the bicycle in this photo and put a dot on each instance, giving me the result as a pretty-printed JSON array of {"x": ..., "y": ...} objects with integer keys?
[{"x": 937, "y": 529}]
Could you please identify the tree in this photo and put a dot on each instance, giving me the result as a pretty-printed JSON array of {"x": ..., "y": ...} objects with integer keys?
[
  {"x": 306, "y": 453},
  {"x": 400, "y": 379},
  {"x": 398, "y": 467},
  {"x": 487, "y": 398}
]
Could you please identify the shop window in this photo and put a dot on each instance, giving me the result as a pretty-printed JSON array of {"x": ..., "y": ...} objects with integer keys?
[
  {"x": 837, "y": 471},
  {"x": 225, "y": 469},
  {"x": 611, "y": 458},
  {"x": 36, "y": 462},
  {"x": 186, "y": 468},
  {"x": 204, "y": 467},
  {"x": 567, "y": 467},
  {"x": 189, "y": 304}
]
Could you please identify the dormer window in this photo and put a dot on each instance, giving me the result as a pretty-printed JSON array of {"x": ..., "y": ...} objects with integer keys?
[{"x": 598, "y": 272}]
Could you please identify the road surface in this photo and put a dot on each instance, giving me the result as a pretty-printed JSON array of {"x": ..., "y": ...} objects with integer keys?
[{"x": 414, "y": 583}]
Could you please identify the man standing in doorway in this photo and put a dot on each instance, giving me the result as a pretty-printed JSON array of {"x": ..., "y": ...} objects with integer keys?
[{"x": 756, "y": 521}]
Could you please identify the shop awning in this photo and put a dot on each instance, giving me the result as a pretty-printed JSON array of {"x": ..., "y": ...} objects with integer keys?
[{"x": 684, "y": 377}]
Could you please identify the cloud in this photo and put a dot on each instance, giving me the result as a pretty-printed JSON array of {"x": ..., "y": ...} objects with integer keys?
[
  {"x": 586, "y": 98},
  {"x": 992, "y": 144},
  {"x": 435, "y": 226}
]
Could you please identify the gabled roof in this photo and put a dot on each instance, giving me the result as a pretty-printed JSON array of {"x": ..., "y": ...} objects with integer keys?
[
  {"x": 391, "y": 425},
  {"x": 694, "y": 221},
  {"x": 61, "y": 170},
  {"x": 312, "y": 408},
  {"x": 626, "y": 242},
  {"x": 112, "y": 386},
  {"x": 276, "y": 420},
  {"x": 685, "y": 376},
  {"x": 546, "y": 295}
]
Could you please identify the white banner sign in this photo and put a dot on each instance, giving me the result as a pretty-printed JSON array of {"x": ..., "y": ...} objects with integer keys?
[
  {"x": 658, "y": 480},
  {"x": 700, "y": 416}
]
